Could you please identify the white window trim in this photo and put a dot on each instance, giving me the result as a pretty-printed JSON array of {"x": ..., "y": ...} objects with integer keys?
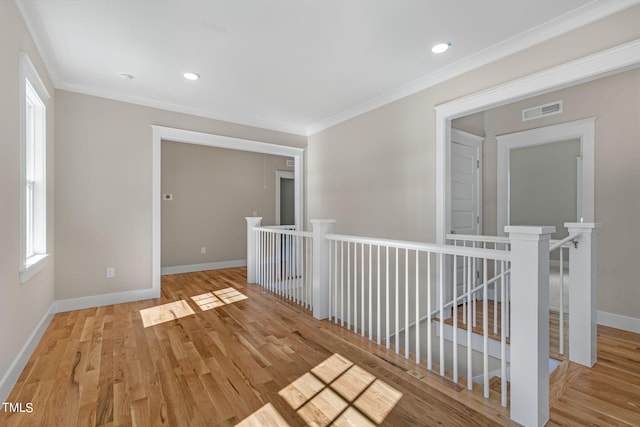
[{"x": 30, "y": 266}]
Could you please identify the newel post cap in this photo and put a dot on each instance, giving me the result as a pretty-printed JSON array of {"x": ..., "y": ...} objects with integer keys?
[{"x": 583, "y": 225}]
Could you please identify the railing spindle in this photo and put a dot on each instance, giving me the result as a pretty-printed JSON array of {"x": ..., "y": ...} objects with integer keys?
[
  {"x": 429, "y": 326},
  {"x": 355, "y": 288},
  {"x": 485, "y": 327},
  {"x": 348, "y": 285},
  {"x": 455, "y": 319},
  {"x": 378, "y": 334},
  {"x": 387, "y": 298},
  {"x": 370, "y": 296},
  {"x": 397, "y": 336},
  {"x": 406, "y": 303},
  {"x": 417, "y": 345}
]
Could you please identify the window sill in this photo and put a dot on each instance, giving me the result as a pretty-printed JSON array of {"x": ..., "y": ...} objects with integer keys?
[{"x": 33, "y": 267}]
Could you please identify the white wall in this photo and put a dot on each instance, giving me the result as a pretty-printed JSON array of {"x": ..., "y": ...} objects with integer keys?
[{"x": 22, "y": 306}]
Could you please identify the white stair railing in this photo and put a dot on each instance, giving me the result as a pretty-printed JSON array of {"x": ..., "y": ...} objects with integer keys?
[
  {"x": 498, "y": 297},
  {"x": 562, "y": 247},
  {"x": 392, "y": 292},
  {"x": 284, "y": 263}
]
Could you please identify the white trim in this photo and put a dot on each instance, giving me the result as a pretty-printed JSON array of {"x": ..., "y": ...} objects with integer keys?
[
  {"x": 582, "y": 16},
  {"x": 584, "y": 130},
  {"x": 160, "y": 133},
  {"x": 32, "y": 91},
  {"x": 92, "y": 301},
  {"x": 34, "y": 266},
  {"x": 610, "y": 61},
  {"x": 10, "y": 378},
  {"x": 618, "y": 321},
  {"x": 183, "y": 109},
  {"x": 190, "y": 268},
  {"x": 279, "y": 175}
]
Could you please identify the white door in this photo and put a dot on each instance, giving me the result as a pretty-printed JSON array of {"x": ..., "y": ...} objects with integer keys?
[
  {"x": 466, "y": 194},
  {"x": 465, "y": 187}
]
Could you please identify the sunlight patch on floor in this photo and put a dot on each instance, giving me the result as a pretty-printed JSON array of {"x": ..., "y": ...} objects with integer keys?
[
  {"x": 165, "y": 313},
  {"x": 218, "y": 298},
  {"x": 265, "y": 416},
  {"x": 339, "y": 392}
]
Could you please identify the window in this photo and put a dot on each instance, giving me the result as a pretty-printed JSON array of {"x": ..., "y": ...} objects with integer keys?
[{"x": 33, "y": 182}]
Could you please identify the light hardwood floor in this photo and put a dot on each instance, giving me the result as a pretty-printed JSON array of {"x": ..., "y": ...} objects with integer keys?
[{"x": 216, "y": 351}]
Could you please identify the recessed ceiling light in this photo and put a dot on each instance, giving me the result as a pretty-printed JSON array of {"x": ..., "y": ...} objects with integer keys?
[
  {"x": 440, "y": 47},
  {"x": 125, "y": 76},
  {"x": 191, "y": 76}
]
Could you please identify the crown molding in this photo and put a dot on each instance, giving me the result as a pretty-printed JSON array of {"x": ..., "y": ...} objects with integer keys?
[
  {"x": 584, "y": 15},
  {"x": 44, "y": 49},
  {"x": 183, "y": 109}
]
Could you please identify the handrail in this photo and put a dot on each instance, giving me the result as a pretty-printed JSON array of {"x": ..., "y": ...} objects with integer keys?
[
  {"x": 284, "y": 231},
  {"x": 562, "y": 242},
  {"x": 478, "y": 238},
  {"x": 493, "y": 254},
  {"x": 476, "y": 289}
]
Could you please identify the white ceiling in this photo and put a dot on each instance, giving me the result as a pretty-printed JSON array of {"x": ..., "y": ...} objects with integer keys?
[{"x": 292, "y": 65}]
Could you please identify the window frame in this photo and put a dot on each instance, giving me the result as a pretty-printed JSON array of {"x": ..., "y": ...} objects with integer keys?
[{"x": 33, "y": 170}]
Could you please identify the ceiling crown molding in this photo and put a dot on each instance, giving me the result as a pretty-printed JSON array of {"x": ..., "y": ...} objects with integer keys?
[{"x": 584, "y": 15}]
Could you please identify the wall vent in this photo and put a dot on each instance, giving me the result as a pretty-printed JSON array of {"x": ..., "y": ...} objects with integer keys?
[
  {"x": 291, "y": 163},
  {"x": 542, "y": 111}
]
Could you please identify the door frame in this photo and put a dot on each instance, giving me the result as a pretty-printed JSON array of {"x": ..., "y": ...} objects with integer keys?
[
  {"x": 607, "y": 62},
  {"x": 584, "y": 130},
  {"x": 160, "y": 133},
  {"x": 279, "y": 175}
]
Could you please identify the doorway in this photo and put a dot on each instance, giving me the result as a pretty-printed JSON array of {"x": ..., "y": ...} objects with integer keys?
[
  {"x": 160, "y": 133},
  {"x": 546, "y": 176},
  {"x": 285, "y": 198},
  {"x": 586, "y": 69}
]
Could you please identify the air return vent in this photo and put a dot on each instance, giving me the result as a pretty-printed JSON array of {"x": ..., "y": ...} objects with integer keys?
[{"x": 542, "y": 111}]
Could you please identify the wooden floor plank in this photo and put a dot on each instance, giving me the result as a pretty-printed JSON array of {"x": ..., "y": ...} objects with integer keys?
[{"x": 266, "y": 361}]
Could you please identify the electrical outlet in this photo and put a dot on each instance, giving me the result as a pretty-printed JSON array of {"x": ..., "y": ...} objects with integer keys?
[
  {"x": 203, "y": 250},
  {"x": 111, "y": 272}
]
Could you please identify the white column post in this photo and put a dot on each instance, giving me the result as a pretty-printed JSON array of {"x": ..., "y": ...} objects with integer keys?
[
  {"x": 321, "y": 227},
  {"x": 252, "y": 259},
  {"x": 583, "y": 294},
  {"x": 530, "y": 324}
]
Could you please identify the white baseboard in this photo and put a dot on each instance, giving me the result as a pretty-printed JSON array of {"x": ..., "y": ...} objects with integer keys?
[
  {"x": 13, "y": 373},
  {"x": 203, "y": 267},
  {"x": 81, "y": 303},
  {"x": 618, "y": 321}
]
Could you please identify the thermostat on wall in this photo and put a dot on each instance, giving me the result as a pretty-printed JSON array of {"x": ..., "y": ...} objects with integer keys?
[{"x": 167, "y": 197}]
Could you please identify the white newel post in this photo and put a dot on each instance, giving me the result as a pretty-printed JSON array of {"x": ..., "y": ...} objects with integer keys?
[
  {"x": 321, "y": 227},
  {"x": 252, "y": 258},
  {"x": 530, "y": 324},
  {"x": 583, "y": 292}
]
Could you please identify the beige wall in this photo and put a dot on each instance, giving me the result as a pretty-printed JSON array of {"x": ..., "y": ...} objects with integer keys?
[
  {"x": 103, "y": 188},
  {"x": 22, "y": 306},
  {"x": 375, "y": 174},
  {"x": 543, "y": 185},
  {"x": 213, "y": 190},
  {"x": 615, "y": 102}
]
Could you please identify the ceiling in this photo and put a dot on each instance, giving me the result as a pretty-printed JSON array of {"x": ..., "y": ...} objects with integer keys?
[{"x": 292, "y": 65}]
